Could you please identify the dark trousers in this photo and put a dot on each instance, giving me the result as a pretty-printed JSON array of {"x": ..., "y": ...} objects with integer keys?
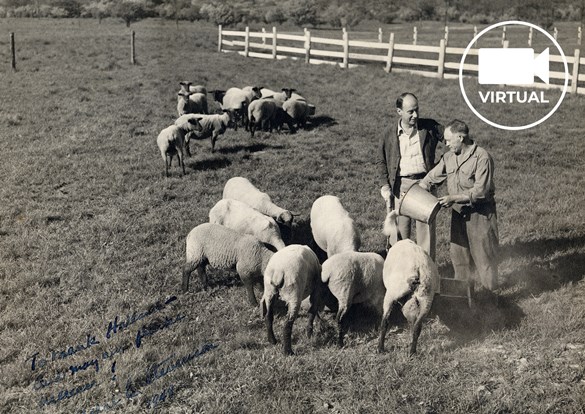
[{"x": 474, "y": 245}]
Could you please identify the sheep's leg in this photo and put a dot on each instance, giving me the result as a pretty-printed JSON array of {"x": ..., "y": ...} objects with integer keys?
[
  {"x": 293, "y": 312},
  {"x": 341, "y": 323},
  {"x": 167, "y": 165},
  {"x": 250, "y": 291},
  {"x": 187, "y": 269},
  {"x": 252, "y": 128},
  {"x": 181, "y": 163},
  {"x": 202, "y": 276},
  {"x": 388, "y": 306},
  {"x": 416, "y": 328},
  {"x": 415, "y": 310},
  {"x": 213, "y": 139},
  {"x": 269, "y": 318},
  {"x": 315, "y": 300}
]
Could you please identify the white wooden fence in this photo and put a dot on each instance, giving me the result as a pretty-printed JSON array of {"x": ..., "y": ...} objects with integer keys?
[{"x": 439, "y": 61}]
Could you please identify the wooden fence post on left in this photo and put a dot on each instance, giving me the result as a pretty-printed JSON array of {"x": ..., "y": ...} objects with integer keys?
[
  {"x": 307, "y": 46},
  {"x": 12, "y": 52},
  {"x": 219, "y": 38},
  {"x": 132, "y": 49}
]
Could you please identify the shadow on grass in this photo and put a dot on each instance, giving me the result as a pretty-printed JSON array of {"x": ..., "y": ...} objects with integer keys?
[
  {"x": 490, "y": 312},
  {"x": 253, "y": 147},
  {"x": 208, "y": 164},
  {"x": 320, "y": 121},
  {"x": 545, "y": 275}
]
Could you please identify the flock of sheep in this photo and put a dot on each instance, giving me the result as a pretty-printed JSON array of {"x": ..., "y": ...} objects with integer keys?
[
  {"x": 245, "y": 228},
  {"x": 253, "y": 107}
]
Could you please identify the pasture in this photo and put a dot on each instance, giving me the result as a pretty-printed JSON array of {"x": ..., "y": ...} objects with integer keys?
[{"x": 92, "y": 240}]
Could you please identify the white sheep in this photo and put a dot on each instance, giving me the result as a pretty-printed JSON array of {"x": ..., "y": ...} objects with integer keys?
[
  {"x": 240, "y": 217},
  {"x": 211, "y": 126},
  {"x": 240, "y": 188},
  {"x": 354, "y": 277},
  {"x": 191, "y": 103},
  {"x": 261, "y": 113},
  {"x": 410, "y": 275},
  {"x": 192, "y": 99},
  {"x": 223, "y": 248},
  {"x": 333, "y": 229},
  {"x": 293, "y": 274},
  {"x": 171, "y": 141},
  {"x": 297, "y": 107},
  {"x": 236, "y": 101}
]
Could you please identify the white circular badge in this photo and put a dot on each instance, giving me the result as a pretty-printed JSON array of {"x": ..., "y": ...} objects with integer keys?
[{"x": 476, "y": 112}]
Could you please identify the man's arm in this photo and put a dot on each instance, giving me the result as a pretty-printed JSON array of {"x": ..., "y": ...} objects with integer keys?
[
  {"x": 434, "y": 177},
  {"x": 382, "y": 168}
]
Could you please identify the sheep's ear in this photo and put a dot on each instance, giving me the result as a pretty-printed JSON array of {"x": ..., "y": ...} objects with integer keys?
[
  {"x": 295, "y": 214},
  {"x": 293, "y": 90}
]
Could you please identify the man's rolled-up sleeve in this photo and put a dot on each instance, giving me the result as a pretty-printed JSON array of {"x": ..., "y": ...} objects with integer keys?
[{"x": 436, "y": 176}]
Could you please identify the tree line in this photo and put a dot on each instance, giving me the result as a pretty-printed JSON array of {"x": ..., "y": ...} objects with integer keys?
[{"x": 311, "y": 13}]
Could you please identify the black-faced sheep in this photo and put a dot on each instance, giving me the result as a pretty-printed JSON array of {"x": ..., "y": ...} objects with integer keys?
[
  {"x": 171, "y": 141},
  {"x": 212, "y": 126},
  {"x": 354, "y": 277},
  {"x": 410, "y": 276},
  {"x": 293, "y": 274},
  {"x": 223, "y": 248}
]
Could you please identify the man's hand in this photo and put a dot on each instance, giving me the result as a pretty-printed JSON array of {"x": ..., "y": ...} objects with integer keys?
[
  {"x": 448, "y": 201},
  {"x": 385, "y": 191}
]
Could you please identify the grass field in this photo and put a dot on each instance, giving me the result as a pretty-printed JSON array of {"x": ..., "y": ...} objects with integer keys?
[{"x": 92, "y": 241}]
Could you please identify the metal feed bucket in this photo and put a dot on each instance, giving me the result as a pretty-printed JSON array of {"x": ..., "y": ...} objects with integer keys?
[{"x": 418, "y": 204}]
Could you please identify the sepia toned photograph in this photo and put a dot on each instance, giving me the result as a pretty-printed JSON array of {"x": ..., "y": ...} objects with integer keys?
[{"x": 296, "y": 206}]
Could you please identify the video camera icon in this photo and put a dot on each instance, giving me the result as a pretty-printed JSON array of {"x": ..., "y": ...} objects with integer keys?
[{"x": 512, "y": 66}]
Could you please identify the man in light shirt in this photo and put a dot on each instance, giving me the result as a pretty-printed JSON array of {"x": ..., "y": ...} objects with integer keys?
[{"x": 406, "y": 153}]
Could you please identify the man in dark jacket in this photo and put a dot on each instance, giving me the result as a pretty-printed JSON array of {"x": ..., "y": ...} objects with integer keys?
[{"x": 406, "y": 153}]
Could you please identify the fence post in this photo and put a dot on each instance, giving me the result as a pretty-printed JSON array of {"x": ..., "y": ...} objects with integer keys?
[
  {"x": 555, "y": 33},
  {"x": 503, "y": 36},
  {"x": 379, "y": 35},
  {"x": 475, "y": 35},
  {"x": 414, "y": 35},
  {"x": 273, "y": 42},
  {"x": 307, "y": 46},
  {"x": 12, "y": 52},
  {"x": 575, "y": 79},
  {"x": 132, "y": 49},
  {"x": 579, "y": 36},
  {"x": 505, "y": 44},
  {"x": 345, "y": 49},
  {"x": 247, "y": 42},
  {"x": 390, "y": 53},
  {"x": 219, "y": 38},
  {"x": 263, "y": 36},
  {"x": 441, "y": 62},
  {"x": 530, "y": 37},
  {"x": 446, "y": 34}
]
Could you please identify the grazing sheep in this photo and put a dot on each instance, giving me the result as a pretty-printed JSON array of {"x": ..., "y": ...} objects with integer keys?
[
  {"x": 333, "y": 229},
  {"x": 186, "y": 86},
  {"x": 410, "y": 275},
  {"x": 223, "y": 248},
  {"x": 354, "y": 277},
  {"x": 241, "y": 217},
  {"x": 236, "y": 101},
  {"x": 293, "y": 274},
  {"x": 211, "y": 126},
  {"x": 239, "y": 188},
  {"x": 297, "y": 107},
  {"x": 171, "y": 141},
  {"x": 261, "y": 113}
]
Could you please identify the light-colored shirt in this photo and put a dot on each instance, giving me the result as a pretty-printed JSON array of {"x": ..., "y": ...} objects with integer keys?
[
  {"x": 471, "y": 173},
  {"x": 411, "y": 156}
]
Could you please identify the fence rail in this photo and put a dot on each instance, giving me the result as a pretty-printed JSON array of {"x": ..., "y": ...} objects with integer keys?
[{"x": 433, "y": 61}]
